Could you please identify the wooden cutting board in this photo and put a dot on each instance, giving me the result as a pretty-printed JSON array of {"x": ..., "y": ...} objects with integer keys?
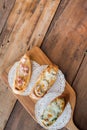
[{"x": 37, "y": 55}]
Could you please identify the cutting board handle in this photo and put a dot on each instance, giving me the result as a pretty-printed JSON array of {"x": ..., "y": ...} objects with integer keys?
[{"x": 71, "y": 126}]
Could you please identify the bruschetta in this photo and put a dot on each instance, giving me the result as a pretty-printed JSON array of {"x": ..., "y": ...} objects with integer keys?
[{"x": 23, "y": 74}]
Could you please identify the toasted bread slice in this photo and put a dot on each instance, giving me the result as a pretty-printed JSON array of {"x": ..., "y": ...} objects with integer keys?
[
  {"x": 49, "y": 117},
  {"x": 45, "y": 80},
  {"x": 54, "y": 110},
  {"x": 23, "y": 74}
]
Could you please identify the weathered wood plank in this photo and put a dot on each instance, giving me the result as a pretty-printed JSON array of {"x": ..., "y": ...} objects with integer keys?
[
  {"x": 7, "y": 101},
  {"x": 67, "y": 40},
  {"x": 43, "y": 23},
  {"x": 17, "y": 12},
  {"x": 19, "y": 38},
  {"x": 21, "y": 120},
  {"x": 6, "y": 106},
  {"x": 5, "y": 8},
  {"x": 21, "y": 34},
  {"x": 63, "y": 4},
  {"x": 14, "y": 16},
  {"x": 80, "y": 86}
]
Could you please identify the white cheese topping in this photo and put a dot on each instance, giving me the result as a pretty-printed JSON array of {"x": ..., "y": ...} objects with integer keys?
[{"x": 49, "y": 76}]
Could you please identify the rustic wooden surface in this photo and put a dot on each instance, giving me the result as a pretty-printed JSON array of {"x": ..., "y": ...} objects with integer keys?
[
  {"x": 6, "y": 106},
  {"x": 7, "y": 101},
  {"x": 80, "y": 86},
  {"x": 32, "y": 16},
  {"x": 65, "y": 44},
  {"x": 66, "y": 41},
  {"x": 5, "y": 8}
]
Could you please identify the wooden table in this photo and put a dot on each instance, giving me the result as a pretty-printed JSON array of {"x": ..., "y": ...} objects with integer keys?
[{"x": 64, "y": 42}]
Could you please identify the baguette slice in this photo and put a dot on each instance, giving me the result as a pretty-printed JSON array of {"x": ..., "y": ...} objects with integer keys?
[
  {"x": 54, "y": 110},
  {"x": 46, "y": 79},
  {"x": 23, "y": 75}
]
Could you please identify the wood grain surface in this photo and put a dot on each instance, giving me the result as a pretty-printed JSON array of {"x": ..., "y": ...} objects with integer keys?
[
  {"x": 6, "y": 106},
  {"x": 33, "y": 16},
  {"x": 7, "y": 101},
  {"x": 80, "y": 86},
  {"x": 65, "y": 44},
  {"x": 21, "y": 120},
  {"x": 5, "y": 9},
  {"x": 66, "y": 41}
]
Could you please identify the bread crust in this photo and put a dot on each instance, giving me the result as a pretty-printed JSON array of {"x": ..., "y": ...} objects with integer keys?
[
  {"x": 62, "y": 104},
  {"x": 35, "y": 93},
  {"x": 23, "y": 72},
  {"x": 43, "y": 103}
]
